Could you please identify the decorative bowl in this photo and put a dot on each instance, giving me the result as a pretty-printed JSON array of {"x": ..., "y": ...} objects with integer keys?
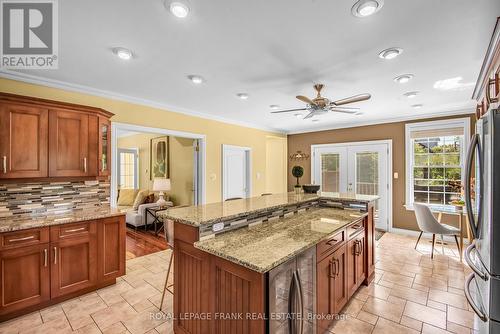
[{"x": 310, "y": 188}]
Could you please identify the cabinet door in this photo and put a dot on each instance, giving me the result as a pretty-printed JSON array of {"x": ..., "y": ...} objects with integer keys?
[
  {"x": 104, "y": 143},
  {"x": 23, "y": 141},
  {"x": 339, "y": 280},
  {"x": 325, "y": 290},
  {"x": 68, "y": 143},
  {"x": 74, "y": 261},
  {"x": 370, "y": 245},
  {"x": 361, "y": 260},
  {"x": 24, "y": 277},
  {"x": 352, "y": 249},
  {"x": 111, "y": 236}
]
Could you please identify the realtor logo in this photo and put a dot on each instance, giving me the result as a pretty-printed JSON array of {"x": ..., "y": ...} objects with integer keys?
[{"x": 29, "y": 34}]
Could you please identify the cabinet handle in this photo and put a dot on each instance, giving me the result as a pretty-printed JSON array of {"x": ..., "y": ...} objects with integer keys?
[
  {"x": 75, "y": 230},
  {"x": 331, "y": 273},
  {"x": 85, "y": 165},
  {"x": 55, "y": 255},
  {"x": 332, "y": 241},
  {"x": 337, "y": 269},
  {"x": 23, "y": 239},
  {"x": 45, "y": 257},
  {"x": 4, "y": 163}
]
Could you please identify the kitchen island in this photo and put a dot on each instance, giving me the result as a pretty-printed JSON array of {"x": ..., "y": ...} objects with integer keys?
[{"x": 270, "y": 264}]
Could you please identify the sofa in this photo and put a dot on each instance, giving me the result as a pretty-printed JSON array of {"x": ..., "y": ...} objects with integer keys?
[{"x": 134, "y": 202}]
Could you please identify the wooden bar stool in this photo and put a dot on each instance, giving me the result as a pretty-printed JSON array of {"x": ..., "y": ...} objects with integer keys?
[{"x": 169, "y": 237}]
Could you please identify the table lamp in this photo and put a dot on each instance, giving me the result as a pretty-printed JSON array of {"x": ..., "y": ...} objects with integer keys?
[{"x": 161, "y": 185}]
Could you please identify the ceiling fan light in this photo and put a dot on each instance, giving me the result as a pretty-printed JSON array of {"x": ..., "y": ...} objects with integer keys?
[
  {"x": 390, "y": 53},
  {"x": 404, "y": 78},
  {"x": 364, "y": 8}
]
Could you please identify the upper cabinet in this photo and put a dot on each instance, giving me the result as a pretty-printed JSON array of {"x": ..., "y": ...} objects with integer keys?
[
  {"x": 23, "y": 141},
  {"x": 40, "y": 138}
]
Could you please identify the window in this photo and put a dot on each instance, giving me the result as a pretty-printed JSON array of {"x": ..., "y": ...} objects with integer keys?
[
  {"x": 435, "y": 153},
  {"x": 127, "y": 162}
]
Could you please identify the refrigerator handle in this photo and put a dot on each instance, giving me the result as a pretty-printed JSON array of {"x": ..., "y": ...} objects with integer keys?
[
  {"x": 301, "y": 302},
  {"x": 291, "y": 305},
  {"x": 471, "y": 263},
  {"x": 468, "y": 170},
  {"x": 476, "y": 309}
]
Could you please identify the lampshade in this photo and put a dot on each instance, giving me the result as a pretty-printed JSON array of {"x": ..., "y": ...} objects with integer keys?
[{"x": 161, "y": 184}]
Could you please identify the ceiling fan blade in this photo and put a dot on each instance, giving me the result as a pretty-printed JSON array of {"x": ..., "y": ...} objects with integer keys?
[
  {"x": 344, "y": 111},
  {"x": 346, "y": 108},
  {"x": 289, "y": 110},
  {"x": 352, "y": 99},
  {"x": 306, "y": 100},
  {"x": 311, "y": 114}
]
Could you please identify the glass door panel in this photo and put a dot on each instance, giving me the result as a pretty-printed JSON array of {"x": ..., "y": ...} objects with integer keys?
[{"x": 331, "y": 173}]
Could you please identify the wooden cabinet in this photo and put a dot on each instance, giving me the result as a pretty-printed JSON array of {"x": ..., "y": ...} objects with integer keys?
[
  {"x": 68, "y": 143},
  {"x": 41, "y": 138},
  {"x": 73, "y": 258},
  {"x": 370, "y": 245},
  {"x": 338, "y": 265},
  {"x": 23, "y": 141},
  {"x": 43, "y": 266},
  {"x": 356, "y": 271},
  {"x": 24, "y": 278},
  {"x": 104, "y": 146}
]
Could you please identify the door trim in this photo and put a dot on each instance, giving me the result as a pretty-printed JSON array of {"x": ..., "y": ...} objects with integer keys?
[
  {"x": 248, "y": 153},
  {"x": 390, "y": 162}
]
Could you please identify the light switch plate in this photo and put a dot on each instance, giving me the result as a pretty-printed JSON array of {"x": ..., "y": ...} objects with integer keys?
[{"x": 396, "y": 175}]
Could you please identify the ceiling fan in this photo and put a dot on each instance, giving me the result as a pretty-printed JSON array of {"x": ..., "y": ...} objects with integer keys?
[{"x": 322, "y": 105}]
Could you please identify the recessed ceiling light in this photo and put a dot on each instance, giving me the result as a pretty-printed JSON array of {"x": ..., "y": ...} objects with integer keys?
[
  {"x": 390, "y": 53},
  {"x": 274, "y": 106},
  {"x": 298, "y": 115},
  {"x": 314, "y": 120},
  {"x": 417, "y": 106},
  {"x": 404, "y": 78},
  {"x": 177, "y": 8},
  {"x": 364, "y": 8},
  {"x": 359, "y": 113},
  {"x": 196, "y": 79},
  {"x": 242, "y": 96},
  {"x": 410, "y": 95},
  {"x": 123, "y": 53}
]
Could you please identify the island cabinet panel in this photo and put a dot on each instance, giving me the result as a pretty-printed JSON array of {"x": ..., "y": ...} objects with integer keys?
[
  {"x": 111, "y": 248},
  {"x": 356, "y": 270},
  {"x": 23, "y": 141},
  {"x": 73, "y": 258},
  {"x": 192, "y": 282},
  {"x": 25, "y": 277},
  {"x": 238, "y": 292},
  {"x": 68, "y": 143},
  {"x": 370, "y": 245}
]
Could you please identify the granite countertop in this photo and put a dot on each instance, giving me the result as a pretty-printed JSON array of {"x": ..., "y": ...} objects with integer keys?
[
  {"x": 264, "y": 246},
  {"x": 13, "y": 224},
  {"x": 210, "y": 213}
]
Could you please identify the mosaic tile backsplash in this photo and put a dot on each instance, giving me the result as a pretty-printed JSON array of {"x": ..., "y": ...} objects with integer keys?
[{"x": 26, "y": 200}]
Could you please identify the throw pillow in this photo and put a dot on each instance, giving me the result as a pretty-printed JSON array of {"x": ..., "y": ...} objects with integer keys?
[
  {"x": 126, "y": 197},
  {"x": 139, "y": 199},
  {"x": 149, "y": 198}
]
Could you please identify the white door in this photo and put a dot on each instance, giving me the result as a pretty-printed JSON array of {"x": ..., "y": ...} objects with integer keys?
[
  {"x": 355, "y": 168},
  {"x": 235, "y": 172}
]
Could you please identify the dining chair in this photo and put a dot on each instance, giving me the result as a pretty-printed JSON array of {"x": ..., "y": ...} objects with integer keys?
[
  {"x": 169, "y": 237},
  {"x": 429, "y": 224}
]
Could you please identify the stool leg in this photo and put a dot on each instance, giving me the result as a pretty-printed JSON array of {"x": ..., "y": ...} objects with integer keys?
[
  {"x": 420, "y": 236},
  {"x": 458, "y": 245},
  {"x": 433, "y": 242},
  {"x": 166, "y": 279},
  {"x": 442, "y": 244}
]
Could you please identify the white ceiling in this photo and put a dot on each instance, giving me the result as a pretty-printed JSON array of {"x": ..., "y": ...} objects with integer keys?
[{"x": 274, "y": 50}]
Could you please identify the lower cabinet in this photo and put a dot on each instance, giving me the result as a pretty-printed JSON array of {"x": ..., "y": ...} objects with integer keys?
[
  {"x": 25, "y": 277},
  {"x": 356, "y": 272},
  {"x": 37, "y": 270}
]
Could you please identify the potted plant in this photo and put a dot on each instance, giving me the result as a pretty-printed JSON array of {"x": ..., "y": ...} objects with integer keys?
[{"x": 298, "y": 172}]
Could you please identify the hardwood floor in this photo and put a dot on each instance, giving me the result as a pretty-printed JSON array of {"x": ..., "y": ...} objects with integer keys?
[{"x": 140, "y": 243}]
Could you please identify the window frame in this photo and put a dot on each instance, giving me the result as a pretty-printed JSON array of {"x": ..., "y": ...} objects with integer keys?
[
  {"x": 432, "y": 125},
  {"x": 134, "y": 151}
]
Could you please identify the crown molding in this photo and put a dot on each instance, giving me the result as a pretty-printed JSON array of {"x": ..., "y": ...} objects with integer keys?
[
  {"x": 451, "y": 112},
  {"x": 37, "y": 80}
]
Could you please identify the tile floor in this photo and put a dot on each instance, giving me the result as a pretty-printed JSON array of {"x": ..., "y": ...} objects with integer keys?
[{"x": 411, "y": 294}]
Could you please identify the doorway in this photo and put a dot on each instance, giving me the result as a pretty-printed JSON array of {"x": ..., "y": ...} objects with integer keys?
[
  {"x": 236, "y": 172},
  {"x": 361, "y": 168}
]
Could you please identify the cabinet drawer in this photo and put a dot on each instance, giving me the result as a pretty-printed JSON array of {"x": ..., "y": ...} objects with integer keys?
[
  {"x": 24, "y": 238},
  {"x": 327, "y": 246},
  {"x": 354, "y": 229},
  {"x": 67, "y": 231}
]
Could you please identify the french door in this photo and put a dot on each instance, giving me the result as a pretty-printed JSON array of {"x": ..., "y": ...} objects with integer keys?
[{"x": 355, "y": 168}]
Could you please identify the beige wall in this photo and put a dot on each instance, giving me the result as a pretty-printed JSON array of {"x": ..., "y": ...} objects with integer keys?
[
  {"x": 402, "y": 218},
  {"x": 276, "y": 165},
  {"x": 217, "y": 133}
]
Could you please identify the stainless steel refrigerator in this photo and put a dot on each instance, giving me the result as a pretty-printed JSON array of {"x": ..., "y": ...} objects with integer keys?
[
  {"x": 292, "y": 295},
  {"x": 482, "y": 197}
]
